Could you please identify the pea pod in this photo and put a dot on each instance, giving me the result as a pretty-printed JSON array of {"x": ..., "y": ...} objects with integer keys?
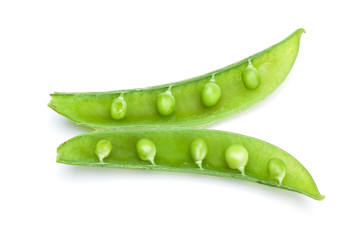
[
  {"x": 220, "y": 153},
  {"x": 197, "y": 101}
]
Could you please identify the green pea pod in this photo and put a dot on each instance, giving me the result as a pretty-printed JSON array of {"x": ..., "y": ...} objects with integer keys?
[
  {"x": 197, "y": 101},
  {"x": 201, "y": 151}
]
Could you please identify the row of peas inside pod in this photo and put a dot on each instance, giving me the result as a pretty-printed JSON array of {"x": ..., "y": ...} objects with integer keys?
[
  {"x": 236, "y": 156},
  {"x": 210, "y": 95}
]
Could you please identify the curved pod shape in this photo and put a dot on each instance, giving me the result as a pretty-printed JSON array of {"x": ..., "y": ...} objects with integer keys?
[
  {"x": 174, "y": 154},
  {"x": 272, "y": 65}
]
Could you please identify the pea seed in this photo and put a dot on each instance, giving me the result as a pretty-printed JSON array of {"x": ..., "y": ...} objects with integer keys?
[
  {"x": 198, "y": 150},
  {"x": 236, "y": 157},
  {"x": 103, "y": 149},
  {"x": 250, "y": 77},
  {"x": 276, "y": 169},
  {"x": 118, "y": 108},
  {"x": 146, "y": 150},
  {"x": 165, "y": 103},
  {"x": 210, "y": 94}
]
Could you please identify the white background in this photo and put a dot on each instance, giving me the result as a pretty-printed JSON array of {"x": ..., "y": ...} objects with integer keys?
[{"x": 48, "y": 46}]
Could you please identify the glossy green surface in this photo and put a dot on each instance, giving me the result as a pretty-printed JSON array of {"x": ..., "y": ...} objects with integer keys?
[
  {"x": 236, "y": 157},
  {"x": 272, "y": 64},
  {"x": 165, "y": 103},
  {"x": 103, "y": 149},
  {"x": 276, "y": 169},
  {"x": 174, "y": 154},
  {"x": 198, "y": 151},
  {"x": 210, "y": 94},
  {"x": 118, "y": 108},
  {"x": 251, "y": 77},
  {"x": 146, "y": 150}
]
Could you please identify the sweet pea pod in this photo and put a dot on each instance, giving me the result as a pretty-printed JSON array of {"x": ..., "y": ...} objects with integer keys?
[
  {"x": 197, "y": 101},
  {"x": 201, "y": 151}
]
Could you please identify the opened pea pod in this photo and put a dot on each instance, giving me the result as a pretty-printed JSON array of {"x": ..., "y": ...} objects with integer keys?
[
  {"x": 191, "y": 150},
  {"x": 197, "y": 101}
]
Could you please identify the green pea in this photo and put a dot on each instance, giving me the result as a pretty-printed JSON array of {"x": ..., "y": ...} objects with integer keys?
[
  {"x": 250, "y": 77},
  {"x": 198, "y": 150},
  {"x": 118, "y": 108},
  {"x": 236, "y": 157},
  {"x": 146, "y": 150},
  {"x": 103, "y": 149},
  {"x": 276, "y": 169},
  {"x": 210, "y": 95},
  {"x": 165, "y": 103}
]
